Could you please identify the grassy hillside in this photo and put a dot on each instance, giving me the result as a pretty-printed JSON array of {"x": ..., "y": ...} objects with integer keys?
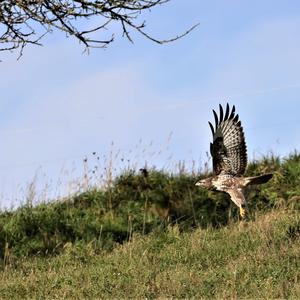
[
  {"x": 154, "y": 234},
  {"x": 249, "y": 259}
]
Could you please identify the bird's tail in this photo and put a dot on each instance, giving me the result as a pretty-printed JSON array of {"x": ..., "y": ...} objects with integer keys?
[{"x": 257, "y": 179}]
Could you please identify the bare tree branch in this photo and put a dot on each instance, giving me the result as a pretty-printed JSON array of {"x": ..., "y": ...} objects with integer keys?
[{"x": 25, "y": 22}]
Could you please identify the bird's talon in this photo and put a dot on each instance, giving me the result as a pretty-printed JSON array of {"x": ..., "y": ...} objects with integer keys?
[{"x": 242, "y": 212}]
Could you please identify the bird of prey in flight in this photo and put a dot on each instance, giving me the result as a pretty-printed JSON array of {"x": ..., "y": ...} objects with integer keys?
[{"x": 229, "y": 154}]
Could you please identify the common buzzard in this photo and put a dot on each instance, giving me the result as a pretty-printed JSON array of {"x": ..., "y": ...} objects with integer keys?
[{"x": 229, "y": 153}]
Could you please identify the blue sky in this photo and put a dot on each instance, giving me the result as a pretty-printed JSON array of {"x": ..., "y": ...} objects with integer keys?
[{"x": 147, "y": 102}]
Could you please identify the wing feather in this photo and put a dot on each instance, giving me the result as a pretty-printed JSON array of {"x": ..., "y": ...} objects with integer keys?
[
  {"x": 228, "y": 148},
  {"x": 216, "y": 118},
  {"x": 232, "y": 112},
  {"x": 212, "y": 128},
  {"x": 237, "y": 196},
  {"x": 227, "y": 112},
  {"x": 221, "y": 113}
]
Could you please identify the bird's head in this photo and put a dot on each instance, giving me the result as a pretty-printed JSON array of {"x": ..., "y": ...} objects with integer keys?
[{"x": 205, "y": 183}]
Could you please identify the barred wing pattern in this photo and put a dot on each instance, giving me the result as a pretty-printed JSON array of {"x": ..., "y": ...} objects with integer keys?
[{"x": 228, "y": 149}]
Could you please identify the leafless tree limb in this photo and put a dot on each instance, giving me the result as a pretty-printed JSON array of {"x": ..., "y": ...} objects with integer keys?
[{"x": 24, "y": 22}]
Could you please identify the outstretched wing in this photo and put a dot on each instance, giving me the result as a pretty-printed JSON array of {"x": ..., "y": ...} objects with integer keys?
[{"x": 228, "y": 149}]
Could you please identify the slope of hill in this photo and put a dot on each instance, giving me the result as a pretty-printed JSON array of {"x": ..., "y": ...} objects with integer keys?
[
  {"x": 157, "y": 235},
  {"x": 256, "y": 259}
]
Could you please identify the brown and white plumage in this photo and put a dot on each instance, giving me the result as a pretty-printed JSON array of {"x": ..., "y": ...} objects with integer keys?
[
  {"x": 228, "y": 148},
  {"x": 229, "y": 154}
]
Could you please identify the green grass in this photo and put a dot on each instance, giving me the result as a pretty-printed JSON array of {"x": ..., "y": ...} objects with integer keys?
[
  {"x": 158, "y": 236},
  {"x": 255, "y": 259}
]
